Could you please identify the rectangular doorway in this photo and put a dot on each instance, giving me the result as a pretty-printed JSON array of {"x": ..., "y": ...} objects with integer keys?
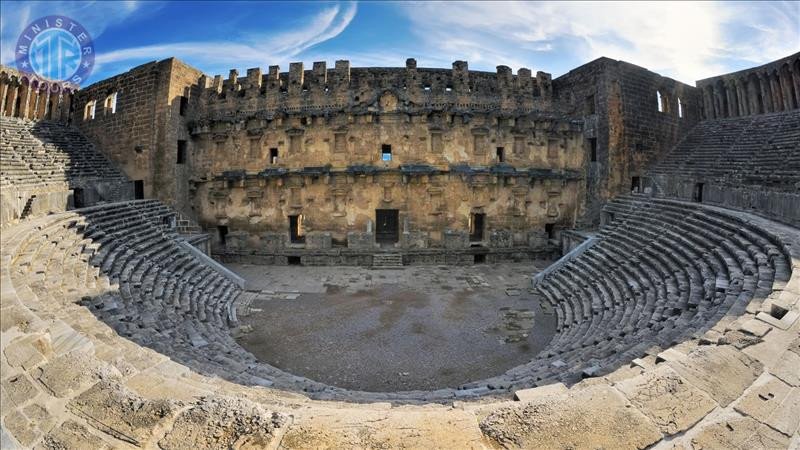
[
  {"x": 77, "y": 198},
  {"x": 296, "y": 230},
  {"x": 477, "y": 224},
  {"x": 697, "y": 195},
  {"x": 387, "y": 226},
  {"x": 138, "y": 189}
]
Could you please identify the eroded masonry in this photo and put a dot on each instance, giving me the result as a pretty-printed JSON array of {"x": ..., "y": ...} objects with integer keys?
[{"x": 670, "y": 316}]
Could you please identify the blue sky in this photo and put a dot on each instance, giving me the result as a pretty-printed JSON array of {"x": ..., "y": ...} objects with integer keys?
[{"x": 685, "y": 40}]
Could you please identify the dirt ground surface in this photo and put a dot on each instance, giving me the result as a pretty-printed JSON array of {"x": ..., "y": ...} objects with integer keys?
[{"x": 416, "y": 328}]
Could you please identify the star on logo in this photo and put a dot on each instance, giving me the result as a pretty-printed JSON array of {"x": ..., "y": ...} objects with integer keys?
[
  {"x": 86, "y": 64},
  {"x": 24, "y": 64}
]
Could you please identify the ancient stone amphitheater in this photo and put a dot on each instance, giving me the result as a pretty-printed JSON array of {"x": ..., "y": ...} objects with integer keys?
[{"x": 673, "y": 212}]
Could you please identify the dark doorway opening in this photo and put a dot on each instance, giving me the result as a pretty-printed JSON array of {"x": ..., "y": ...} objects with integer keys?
[
  {"x": 222, "y": 232},
  {"x": 295, "y": 230},
  {"x": 476, "y": 226},
  {"x": 697, "y": 195},
  {"x": 78, "y": 200},
  {"x": 593, "y": 149},
  {"x": 500, "y": 154},
  {"x": 549, "y": 228},
  {"x": 181, "y": 156},
  {"x": 387, "y": 226},
  {"x": 479, "y": 259},
  {"x": 138, "y": 189},
  {"x": 294, "y": 261},
  {"x": 273, "y": 156},
  {"x": 636, "y": 184}
]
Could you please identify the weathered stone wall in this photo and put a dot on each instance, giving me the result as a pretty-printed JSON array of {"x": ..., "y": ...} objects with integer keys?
[
  {"x": 429, "y": 206},
  {"x": 771, "y": 87},
  {"x": 142, "y": 132},
  {"x": 779, "y": 205},
  {"x": 620, "y": 106}
]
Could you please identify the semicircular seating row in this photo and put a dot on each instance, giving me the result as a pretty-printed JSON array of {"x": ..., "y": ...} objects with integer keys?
[
  {"x": 37, "y": 154},
  {"x": 663, "y": 271}
]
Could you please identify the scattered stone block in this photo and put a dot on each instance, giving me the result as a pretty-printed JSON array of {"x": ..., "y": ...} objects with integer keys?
[
  {"x": 756, "y": 327},
  {"x": 113, "y": 409},
  {"x": 525, "y": 395},
  {"x": 22, "y": 429},
  {"x": 19, "y": 389},
  {"x": 223, "y": 422},
  {"x": 671, "y": 402},
  {"x": 71, "y": 434},
  {"x": 739, "y": 433},
  {"x": 73, "y": 372},
  {"x": 28, "y": 351},
  {"x": 540, "y": 423},
  {"x": 772, "y": 402},
  {"x": 723, "y": 372}
]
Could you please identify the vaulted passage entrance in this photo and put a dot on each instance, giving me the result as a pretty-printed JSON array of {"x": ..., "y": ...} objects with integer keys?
[{"x": 387, "y": 226}]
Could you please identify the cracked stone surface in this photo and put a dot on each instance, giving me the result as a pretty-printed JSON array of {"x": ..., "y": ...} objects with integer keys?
[{"x": 670, "y": 401}]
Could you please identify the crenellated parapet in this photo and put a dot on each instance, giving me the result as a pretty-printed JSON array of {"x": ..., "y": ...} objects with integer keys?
[{"x": 321, "y": 90}]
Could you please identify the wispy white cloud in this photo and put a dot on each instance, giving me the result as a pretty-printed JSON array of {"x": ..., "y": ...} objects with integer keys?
[
  {"x": 686, "y": 40},
  {"x": 247, "y": 50},
  {"x": 95, "y": 16}
]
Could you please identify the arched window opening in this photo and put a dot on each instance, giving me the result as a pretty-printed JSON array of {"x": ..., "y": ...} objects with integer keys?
[
  {"x": 660, "y": 101},
  {"x": 680, "y": 108}
]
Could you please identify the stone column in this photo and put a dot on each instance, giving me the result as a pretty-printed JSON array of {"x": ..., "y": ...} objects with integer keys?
[
  {"x": 708, "y": 108},
  {"x": 733, "y": 109},
  {"x": 796, "y": 84},
  {"x": 3, "y": 94},
  {"x": 775, "y": 92},
  {"x": 11, "y": 99},
  {"x": 786, "y": 90},
  {"x": 741, "y": 93},
  {"x": 766, "y": 101},
  {"x": 24, "y": 95}
]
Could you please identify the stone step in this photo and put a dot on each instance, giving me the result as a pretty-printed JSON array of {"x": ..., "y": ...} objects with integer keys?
[{"x": 387, "y": 260}]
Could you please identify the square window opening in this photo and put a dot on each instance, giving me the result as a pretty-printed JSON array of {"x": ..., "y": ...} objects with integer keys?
[
  {"x": 500, "y": 154},
  {"x": 386, "y": 152}
]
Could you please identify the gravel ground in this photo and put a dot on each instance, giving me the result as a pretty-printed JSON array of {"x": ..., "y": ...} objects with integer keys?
[{"x": 399, "y": 329}]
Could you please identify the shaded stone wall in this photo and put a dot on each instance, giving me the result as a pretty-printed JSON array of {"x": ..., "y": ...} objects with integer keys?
[
  {"x": 771, "y": 87},
  {"x": 620, "y": 106},
  {"x": 141, "y": 133}
]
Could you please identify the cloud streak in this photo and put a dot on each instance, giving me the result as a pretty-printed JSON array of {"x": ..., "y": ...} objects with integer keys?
[
  {"x": 686, "y": 40},
  {"x": 250, "y": 49}
]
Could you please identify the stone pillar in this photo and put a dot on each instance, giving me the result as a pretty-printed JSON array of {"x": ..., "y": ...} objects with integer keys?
[
  {"x": 786, "y": 90},
  {"x": 766, "y": 101},
  {"x": 775, "y": 92},
  {"x": 708, "y": 105},
  {"x": 25, "y": 94},
  {"x": 53, "y": 106},
  {"x": 3, "y": 95},
  {"x": 796, "y": 84},
  {"x": 732, "y": 107},
  {"x": 11, "y": 99}
]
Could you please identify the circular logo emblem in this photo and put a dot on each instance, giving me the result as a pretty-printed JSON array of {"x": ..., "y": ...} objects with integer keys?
[{"x": 56, "y": 48}]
